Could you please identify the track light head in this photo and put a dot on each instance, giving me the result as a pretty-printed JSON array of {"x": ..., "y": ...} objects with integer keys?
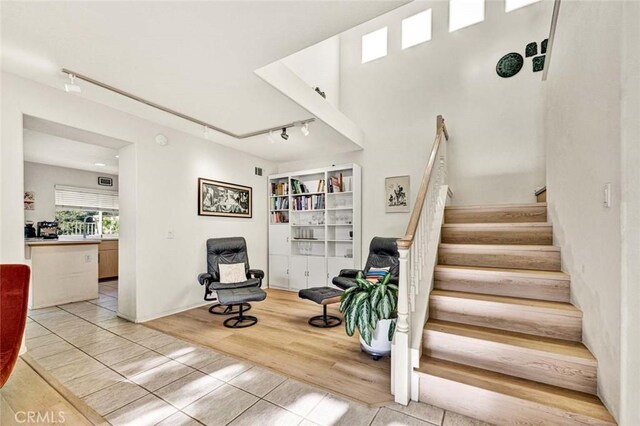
[
  {"x": 284, "y": 134},
  {"x": 305, "y": 129},
  {"x": 72, "y": 86}
]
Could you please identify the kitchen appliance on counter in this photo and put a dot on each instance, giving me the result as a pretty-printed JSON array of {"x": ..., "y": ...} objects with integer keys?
[
  {"x": 29, "y": 230},
  {"x": 48, "y": 230}
]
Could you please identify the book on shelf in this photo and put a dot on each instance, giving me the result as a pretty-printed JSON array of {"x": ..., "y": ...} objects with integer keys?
[
  {"x": 278, "y": 203},
  {"x": 309, "y": 202},
  {"x": 340, "y": 183},
  {"x": 281, "y": 188},
  {"x": 279, "y": 217}
]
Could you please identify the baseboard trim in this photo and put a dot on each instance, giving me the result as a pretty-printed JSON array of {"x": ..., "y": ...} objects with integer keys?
[{"x": 163, "y": 313}]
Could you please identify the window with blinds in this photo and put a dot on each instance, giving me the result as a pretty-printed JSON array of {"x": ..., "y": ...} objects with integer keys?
[{"x": 70, "y": 197}]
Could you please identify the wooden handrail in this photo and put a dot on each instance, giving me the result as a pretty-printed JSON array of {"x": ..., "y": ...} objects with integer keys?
[{"x": 406, "y": 241}]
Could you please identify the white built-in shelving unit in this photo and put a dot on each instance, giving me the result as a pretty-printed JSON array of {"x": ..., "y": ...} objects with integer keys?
[{"x": 314, "y": 225}]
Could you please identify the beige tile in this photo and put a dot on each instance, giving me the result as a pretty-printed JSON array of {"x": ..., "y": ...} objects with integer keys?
[
  {"x": 225, "y": 368},
  {"x": 105, "y": 345},
  {"x": 99, "y": 315},
  {"x": 58, "y": 320},
  {"x": 146, "y": 411},
  {"x": 48, "y": 350},
  {"x": 35, "y": 313},
  {"x": 78, "y": 307},
  {"x": 197, "y": 358},
  {"x": 177, "y": 349},
  {"x": 179, "y": 419},
  {"x": 93, "y": 382},
  {"x": 34, "y": 330},
  {"x": 48, "y": 339},
  {"x": 140, "y": 363},
  {"x": 221, "y": 406},
  {"x": 86, "y": 339},
  {"x": 116, "y": 396},
  {"x": 111, "y": 305},
  {"x": 264, "y": 413},
  {"x": 296, "y": 397},
  {"x": 75, "y": 370},
  {"x": 258, "y": 381},
  {"x": 60, "y": 359},
  {"x": 139, "y": 332},
  {"x": 112, "y": 323},
  {"x": 333, "y": 410},
  {"x": 188, "y": 389},
  {"x": 426, "y": 412},
  {"x": 155, "y": 342},
  {"x": 82, "y": 329},
  {"x": 121, "y": 353},
  {"x": 109, "y": 291},
  {"x": 161, "y": 375},
  {"x": 455, "y": 419},
  {"x": 387, "y": 417}
]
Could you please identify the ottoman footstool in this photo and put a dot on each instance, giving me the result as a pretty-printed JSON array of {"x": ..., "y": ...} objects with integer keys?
[
  {"x": 322, "y": 296},
  {"x": 240, "y": 296}
]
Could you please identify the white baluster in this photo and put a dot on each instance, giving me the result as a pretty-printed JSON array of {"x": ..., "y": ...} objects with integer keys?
[{"x": 401, "y": 350}]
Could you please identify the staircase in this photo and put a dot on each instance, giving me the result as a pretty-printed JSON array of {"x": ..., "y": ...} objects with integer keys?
[{"x": 503, "y": 342}]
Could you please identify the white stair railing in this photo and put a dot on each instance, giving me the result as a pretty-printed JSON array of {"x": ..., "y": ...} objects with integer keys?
[{"x": 418, "y": 253}]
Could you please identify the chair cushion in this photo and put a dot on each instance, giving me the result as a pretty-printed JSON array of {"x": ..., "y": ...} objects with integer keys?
[
  {"x": 232, "y": 273},
  {"x": 251, "y": 282},
  {"x": 234, "y": 296},
  {"x": 319, "y": 294},
  {"x": 343, "y": 282}
]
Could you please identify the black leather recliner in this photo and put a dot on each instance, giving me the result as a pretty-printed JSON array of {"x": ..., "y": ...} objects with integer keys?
[
  {"x": 226, "y": 251},
  {"x": 383, "y": 252}
]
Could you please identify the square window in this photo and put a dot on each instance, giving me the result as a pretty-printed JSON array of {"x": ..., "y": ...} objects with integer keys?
[
  {"x": 374, "y": 45},
  {"x": 463, "y": 13},
  {"x": 510, "y": 5},
  {"x": 416, "y": 29}
]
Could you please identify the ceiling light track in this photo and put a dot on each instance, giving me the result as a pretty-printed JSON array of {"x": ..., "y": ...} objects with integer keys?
[{"x": 204, "y": 124}]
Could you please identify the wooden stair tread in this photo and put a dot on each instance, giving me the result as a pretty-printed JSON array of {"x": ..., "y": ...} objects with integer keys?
[
  {"x": 557, "y": 346},
  {"x": 564, "y": 399},
  {"x": 522, "y": 273},
  {"x": 496, "y": 206},
  {"x": 499, "y": 247},
  {"x": 543, "y": 304},
  {"x": 497, "y": 225}
]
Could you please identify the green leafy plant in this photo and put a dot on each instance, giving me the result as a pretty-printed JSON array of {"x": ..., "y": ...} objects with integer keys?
[{"x": 368, "y": 302}]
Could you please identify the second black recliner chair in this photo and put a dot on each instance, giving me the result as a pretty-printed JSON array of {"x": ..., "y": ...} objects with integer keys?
[{"x": 383, "y": 252}]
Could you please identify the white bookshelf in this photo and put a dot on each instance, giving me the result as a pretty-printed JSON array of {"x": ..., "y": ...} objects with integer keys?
[{"x": 319, "y": 231}]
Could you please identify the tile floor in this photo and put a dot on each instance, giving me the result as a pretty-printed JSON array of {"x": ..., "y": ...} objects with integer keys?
[{"x": 133, "y": 375}]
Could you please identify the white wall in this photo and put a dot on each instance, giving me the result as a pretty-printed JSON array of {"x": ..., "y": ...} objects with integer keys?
[
  {"x": 157, "y": 194},
  {"x": 319, "y": 66},
  {"x": 42, "y": 179},
  {"x": 496, "y": 149},
  {"x": 585, "y": 93}
]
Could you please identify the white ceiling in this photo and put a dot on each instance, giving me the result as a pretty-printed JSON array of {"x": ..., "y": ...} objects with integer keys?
[
  {"x": 56, "y": 151},
  {"x": 195, "y": 57}
]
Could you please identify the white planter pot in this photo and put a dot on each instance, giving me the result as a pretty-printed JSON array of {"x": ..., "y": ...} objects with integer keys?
[{"x": 380, "y": 343}]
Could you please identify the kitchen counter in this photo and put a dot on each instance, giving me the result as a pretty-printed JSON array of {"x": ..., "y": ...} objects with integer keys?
[{"x": 42, "y": 242}]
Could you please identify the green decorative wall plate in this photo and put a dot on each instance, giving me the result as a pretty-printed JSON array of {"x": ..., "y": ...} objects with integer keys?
[
  {"x": 531, "y": 49},
  {"x": 509, "y": 65},
  {"x": 538, "y": 63}
]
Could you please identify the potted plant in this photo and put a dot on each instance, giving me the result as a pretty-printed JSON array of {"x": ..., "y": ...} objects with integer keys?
[{"x": 371, "y": 308}]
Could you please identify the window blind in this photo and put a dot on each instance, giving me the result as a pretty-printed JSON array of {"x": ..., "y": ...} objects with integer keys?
[{"x": 85, "y": 198}]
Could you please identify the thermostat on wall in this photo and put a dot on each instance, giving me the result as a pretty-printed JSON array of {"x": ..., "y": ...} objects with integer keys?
[{"x": 105, "y": 181}]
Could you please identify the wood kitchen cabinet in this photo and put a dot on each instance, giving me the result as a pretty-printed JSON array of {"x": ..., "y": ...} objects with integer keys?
[{"x": 108, "y": 259}]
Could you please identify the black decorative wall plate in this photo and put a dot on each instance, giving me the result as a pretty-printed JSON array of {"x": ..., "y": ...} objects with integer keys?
[{"x": 509, "y": 65}]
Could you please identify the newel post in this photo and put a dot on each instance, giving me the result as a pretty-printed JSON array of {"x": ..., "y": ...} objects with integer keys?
[{"x": 401, "y": 361}]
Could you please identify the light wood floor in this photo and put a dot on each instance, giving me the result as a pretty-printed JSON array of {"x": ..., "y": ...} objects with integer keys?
[
  {"x": 283, "y": 341},
  {"x": 28, "y": 394}
]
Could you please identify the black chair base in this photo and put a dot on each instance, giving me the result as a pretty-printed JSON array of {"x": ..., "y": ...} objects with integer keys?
[
  {"x": 324, "y": 320},
  {"x": 241, "y": 321},
  {"x": 219, "y": 309}
]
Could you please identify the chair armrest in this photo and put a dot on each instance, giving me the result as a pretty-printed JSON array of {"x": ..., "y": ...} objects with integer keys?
[
  {"x": 393, "y": 280},
  {"x": 255, "y": 273},
  {"x": 349, "y": 273},
  {"x": 205, "y": 278}
]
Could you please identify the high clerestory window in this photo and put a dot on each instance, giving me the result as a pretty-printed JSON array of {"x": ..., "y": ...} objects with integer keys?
[
  {"x": 463, "y": 13},
  {"x": 374, "y": 45},
  {"x": 510, "y": 5},
  {"x": 416, "y": 29}
]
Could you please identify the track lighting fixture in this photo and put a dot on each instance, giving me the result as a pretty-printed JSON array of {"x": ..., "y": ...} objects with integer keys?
[
  {"x": 72, "y": 86},
  {"x": 305, "y": 129},
  {"x": 284, "y": 134}
]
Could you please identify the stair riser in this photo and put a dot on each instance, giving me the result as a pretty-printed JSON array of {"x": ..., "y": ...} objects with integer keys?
[
  {"x": 555, "y": 323},
  {"x": 538, "y": 260},
  {"x": 540, "y": 366},
  {"x": 502, "y": 285},
  {"x": 496, "y": 215},
  {"x": 494, "y": 407},
  {"x": 496, "y": 235}
]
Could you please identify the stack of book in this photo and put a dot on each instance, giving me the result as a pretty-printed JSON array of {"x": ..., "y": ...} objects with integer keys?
[
  {"x": 279, "y": 188},
  {"x": 340, "y": 183},
  {"x": 278, "y": 203},
  {"x": 279, "y": 217},
  {"x": 309, "y": 202}
]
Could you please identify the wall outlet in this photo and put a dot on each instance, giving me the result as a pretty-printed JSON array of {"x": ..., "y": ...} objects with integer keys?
[
  {"x": 87, "y": 258},
  {"x": 170, "y": 235},
  {"x": 607, "y": 195}
]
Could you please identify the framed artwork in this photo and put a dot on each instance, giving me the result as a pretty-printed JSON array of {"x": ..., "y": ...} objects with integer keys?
[
  {"x": 217, "y": 198},
  {"x": 396, "y": 190}
]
